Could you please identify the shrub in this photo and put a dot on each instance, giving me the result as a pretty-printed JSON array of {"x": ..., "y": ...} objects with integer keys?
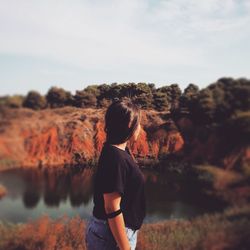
[{"x": 35, "y": 101}]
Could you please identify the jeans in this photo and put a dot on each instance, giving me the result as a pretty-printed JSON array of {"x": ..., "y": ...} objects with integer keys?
[{"x": 99, "y": 236}]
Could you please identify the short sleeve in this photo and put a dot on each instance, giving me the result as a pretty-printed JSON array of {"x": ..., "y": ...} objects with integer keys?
[{"x": 113, "y": 175}]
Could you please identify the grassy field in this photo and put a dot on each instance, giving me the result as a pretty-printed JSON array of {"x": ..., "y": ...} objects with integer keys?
[{"x": 228, "y": 230}]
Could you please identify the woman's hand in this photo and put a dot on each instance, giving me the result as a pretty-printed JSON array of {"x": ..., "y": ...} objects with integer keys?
[{"x": 116, "y": 224}]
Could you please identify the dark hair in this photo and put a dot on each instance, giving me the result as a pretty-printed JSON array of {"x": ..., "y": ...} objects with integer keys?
[{"x": 121, "y": 121}]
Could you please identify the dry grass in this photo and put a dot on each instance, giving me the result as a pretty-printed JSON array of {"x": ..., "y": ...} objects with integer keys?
[
  {"x": 229, "y": 230},
  {"x": 228, "y": 185},
  {"x": 44, "y": 233},
  {"x": 221, "y": 178}
]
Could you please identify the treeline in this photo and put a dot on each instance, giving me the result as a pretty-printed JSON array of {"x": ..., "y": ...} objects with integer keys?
[
  {"x": 215, "y": 103},
  {"x": 99, "y": 96}
]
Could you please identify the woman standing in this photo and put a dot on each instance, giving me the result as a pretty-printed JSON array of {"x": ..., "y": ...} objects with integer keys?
[{"x": 119, "y": 195}]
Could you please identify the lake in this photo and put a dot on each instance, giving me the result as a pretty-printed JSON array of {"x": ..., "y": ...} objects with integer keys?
[{"x": 34, "y": 192}]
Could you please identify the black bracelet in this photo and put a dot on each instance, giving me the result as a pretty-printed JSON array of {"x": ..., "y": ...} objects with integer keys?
[{"x": 113, "y": 214}]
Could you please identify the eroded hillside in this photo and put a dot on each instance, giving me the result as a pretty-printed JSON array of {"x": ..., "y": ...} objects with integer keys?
[{"x": 70, "y": 135}]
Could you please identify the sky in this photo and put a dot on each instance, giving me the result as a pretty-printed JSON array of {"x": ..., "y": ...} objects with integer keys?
[{"x": 76, "y": 43}]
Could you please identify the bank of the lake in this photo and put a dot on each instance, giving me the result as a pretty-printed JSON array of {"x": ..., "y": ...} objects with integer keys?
[{"x": 227, "y": 230}]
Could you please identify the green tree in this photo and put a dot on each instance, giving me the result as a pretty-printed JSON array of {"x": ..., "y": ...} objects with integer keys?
[
  {"x": 173, "y": 93},
  {"x": 84, "y": 99},
  {"x": 34, "y": 100},
  {"x": 58, "y": 97},
  {"x": 187, "y": 99},
  {"x": 237, "y": 128},
  {"x": 160, "y": 102},
  {"x": 14, "y": 101},
  {"x": 144, "y": 95},
  {"x": 103, "y": 99},
  {"x": 204, "y": 107},
  {"x": 230, "y": 96}
]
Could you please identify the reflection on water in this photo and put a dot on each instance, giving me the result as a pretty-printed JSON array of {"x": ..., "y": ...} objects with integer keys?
[{"x": 33, "y": 192}]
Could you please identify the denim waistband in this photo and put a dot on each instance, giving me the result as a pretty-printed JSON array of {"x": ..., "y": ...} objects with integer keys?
[{"x": 99, "y": 220}]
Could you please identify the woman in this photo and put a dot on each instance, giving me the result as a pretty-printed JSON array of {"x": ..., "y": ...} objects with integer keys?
[{"x": 119, "y": 195}]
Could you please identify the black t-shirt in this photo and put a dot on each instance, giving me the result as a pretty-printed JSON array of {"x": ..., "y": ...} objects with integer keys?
[{"x": 117, "y": 171}]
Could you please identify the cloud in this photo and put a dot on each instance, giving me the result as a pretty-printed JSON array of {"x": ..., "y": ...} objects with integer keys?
[{"x": 113, "y": 35}]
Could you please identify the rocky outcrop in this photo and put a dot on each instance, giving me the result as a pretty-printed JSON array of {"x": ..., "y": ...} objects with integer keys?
[{"x": 70, "y": 135}]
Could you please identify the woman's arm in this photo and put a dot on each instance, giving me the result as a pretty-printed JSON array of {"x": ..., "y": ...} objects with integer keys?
[{"x": 117, "y": 225}]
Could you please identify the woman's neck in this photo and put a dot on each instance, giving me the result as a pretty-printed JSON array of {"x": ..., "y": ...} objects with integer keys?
[{"x": 121, "y": 146}]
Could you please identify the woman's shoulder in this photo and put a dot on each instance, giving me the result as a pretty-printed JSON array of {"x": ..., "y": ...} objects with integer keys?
[
  {"x": 114, "y": 151},
  {"x": 111, "y": 153},
  {"x": 111, "y": 160}
]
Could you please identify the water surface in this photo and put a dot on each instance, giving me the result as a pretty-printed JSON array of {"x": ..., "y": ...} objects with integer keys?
[{"x": 34, "y": 192}]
